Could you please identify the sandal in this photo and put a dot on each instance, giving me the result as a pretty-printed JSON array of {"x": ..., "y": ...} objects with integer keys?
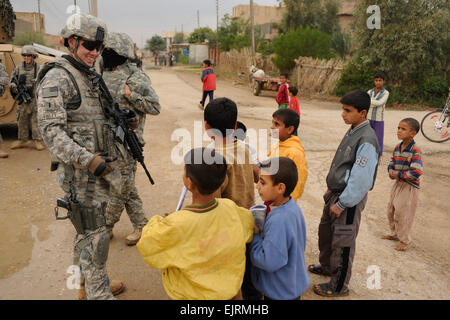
[
  {"x": 389, "y": 237},
  {"x": 402, "y": 247},
  {"x": 324, "y": 290},
  {"x": 317, "y": 269}
]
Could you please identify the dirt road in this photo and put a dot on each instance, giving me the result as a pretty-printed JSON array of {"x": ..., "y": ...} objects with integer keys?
[{"x": 36, "y": 252}]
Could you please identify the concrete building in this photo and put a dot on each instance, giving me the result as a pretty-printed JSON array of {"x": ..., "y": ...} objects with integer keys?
[
  {"x": 30, "y": 21},
  {"x": 345, "y": 14},
  {"x": 169, "y": 35},
  {"x": 267, "y": 15},
  {"x": 262, "y": 14}
]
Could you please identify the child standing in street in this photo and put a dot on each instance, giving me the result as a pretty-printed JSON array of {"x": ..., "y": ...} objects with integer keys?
[
  {"x": 282, "y": 97},
  {"x": 209, "y": 83},
  {"x": 285, "y": 123},
  {"x": 278, "y": 256},
  {"x": 406, "y": 168},
  {"x": 221, "y": 122},
  {"x": 293, "y": 103},
  {"x": 201, "y": 248},
  {"x": 352, "y": 174},
  {"x": 378, "y": 98}
]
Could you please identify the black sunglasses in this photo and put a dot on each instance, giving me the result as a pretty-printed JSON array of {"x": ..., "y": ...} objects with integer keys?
[
  {"x": 91, "y": 45},
  {"x": 27, "y": 55}
]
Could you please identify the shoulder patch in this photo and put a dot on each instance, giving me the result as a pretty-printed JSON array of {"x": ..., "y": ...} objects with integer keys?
[{"x": 50, "y": 92}]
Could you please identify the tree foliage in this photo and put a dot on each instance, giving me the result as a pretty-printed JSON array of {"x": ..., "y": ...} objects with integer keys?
[
  {"x": 178, "y": 37},
  {"x": 7, "y": 16},
  {"x": 156, "y": 43},
  {"x": 233, "y": 34},
  {"x": 201, "y": 35},
  {"x": 303, "y": 42},
  {"x": 412, "y": 48},
  {"x": 236, "y": 34},
  {"x": 317, "y": 14},
  {"x": 28, "y": 37}
]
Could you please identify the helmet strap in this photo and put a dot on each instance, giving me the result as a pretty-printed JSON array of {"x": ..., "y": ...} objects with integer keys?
[{"x": 74, "y": 51}]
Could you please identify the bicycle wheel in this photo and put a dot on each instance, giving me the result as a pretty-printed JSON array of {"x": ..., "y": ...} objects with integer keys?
[{"x": 435, "y": 126}]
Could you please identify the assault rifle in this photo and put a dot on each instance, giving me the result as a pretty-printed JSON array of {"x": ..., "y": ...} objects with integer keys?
[
  {"x": 124, "y": 134},
  {"x": 23, "y": 94}
]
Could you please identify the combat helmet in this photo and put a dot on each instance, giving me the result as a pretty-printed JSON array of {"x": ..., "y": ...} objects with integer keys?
[
  {"x": 82, "y": 25},
  {"x": 121, "y": 43},
  {"x": 28, "y": 49}
]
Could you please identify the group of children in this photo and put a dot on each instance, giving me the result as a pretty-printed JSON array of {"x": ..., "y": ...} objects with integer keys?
[{"x": 212, "y": 248}]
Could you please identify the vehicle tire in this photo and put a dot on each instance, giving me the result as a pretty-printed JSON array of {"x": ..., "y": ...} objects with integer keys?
[
  {"x": 435, "y": 127},
  {"x": 257, "y": 86}
]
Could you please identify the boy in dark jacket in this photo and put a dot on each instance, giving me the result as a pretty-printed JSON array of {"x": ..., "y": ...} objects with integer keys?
[
  {"x": 209, "y": 83},
  {"x": 352, "y": 175}
]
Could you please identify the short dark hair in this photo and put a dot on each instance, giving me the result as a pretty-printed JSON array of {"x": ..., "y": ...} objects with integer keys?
[
  {"x": 221, "y": 114},
  {"x": 293, "y": 90},
  {"x": 240, "y": 132},
  {"x": 380, "y": 75},
  {"x": 207, "y": 62},
  {"x": 284, "y": 74},
  {"x": 287, "y": 173},
  {"x": 289, "y": 118},
  {"x": 412, "y": 123},
  {"x": 207, "y": 174},
  {"x": 358, "y": 99}
]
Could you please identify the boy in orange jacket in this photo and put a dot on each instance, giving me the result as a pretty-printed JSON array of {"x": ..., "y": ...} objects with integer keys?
[{"x": 285, "y": 123}]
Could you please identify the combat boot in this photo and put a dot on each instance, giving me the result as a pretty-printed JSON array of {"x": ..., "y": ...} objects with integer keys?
[
  {"x": 3, "y": 154},
  {"x": 19, "y": 144},
  {"x": 133, "y": 238},
  {"x": 38, "y": 145},
  {"x": 116, "y": 287}
]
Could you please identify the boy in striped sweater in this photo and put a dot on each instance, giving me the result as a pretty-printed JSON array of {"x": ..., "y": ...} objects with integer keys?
[{"x": 405, "y": 167}]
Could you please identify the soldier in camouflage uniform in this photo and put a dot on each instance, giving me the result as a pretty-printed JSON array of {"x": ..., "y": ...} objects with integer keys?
[
  {"x": 26, "y": 112},
  {"x": 79, "y": 135},
  {"x": 4, "y": 80},
  {"x": 131, "y": 88}
]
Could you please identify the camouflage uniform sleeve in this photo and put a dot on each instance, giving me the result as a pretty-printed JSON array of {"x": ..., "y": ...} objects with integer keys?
[
  {"x": 143, "y": 96},
  {"x": 14, "y": 74},
  {"x": 54, "y": 91},
  {"x": 4, "y": 80}
]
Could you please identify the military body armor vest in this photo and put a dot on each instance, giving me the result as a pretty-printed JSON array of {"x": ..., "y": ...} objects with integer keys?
[{"x": 30, "y": 73}]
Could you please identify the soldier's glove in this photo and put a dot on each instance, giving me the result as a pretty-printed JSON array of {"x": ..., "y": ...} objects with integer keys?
[
  {"x": 99, "y": 166},
  {"x": 13, "y": 89},
  {"x": 132, "y": 119}
]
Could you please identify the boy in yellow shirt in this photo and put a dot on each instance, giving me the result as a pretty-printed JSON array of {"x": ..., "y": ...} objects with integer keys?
[
  {"x": 285, "y": 123},
  {"x": 201, "y": 248}
]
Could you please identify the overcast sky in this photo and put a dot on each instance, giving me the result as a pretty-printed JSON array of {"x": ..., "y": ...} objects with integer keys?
[{"x": 141, "y": 19}]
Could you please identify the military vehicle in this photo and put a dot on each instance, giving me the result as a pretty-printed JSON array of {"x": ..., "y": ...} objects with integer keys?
[{"x": 10, "y": 56}]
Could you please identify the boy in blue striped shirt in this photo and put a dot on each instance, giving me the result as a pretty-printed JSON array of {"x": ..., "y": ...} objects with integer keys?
[{"x": 405, "y": 167}]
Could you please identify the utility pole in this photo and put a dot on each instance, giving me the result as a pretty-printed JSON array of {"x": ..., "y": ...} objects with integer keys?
[
  {"x": 94, "y": 9},
  {"x": 39, "y": 7},
  {"x": 217, "y": 16},
  {"x": 198, "y": 19},
  {"x": 216, "y": 50},
  {"x": 252, "y": 21}
]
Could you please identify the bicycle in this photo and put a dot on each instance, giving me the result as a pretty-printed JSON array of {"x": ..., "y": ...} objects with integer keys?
[{"x": 435, "y": 125}]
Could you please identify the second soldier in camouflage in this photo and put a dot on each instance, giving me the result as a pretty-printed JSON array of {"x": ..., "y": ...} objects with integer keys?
[{"x": 131, "y": 88}]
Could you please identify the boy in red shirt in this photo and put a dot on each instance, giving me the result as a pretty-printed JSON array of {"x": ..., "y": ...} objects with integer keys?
[
  {"x": 209, "y": 83},
  {"x": 283, "y": 94},
  {"x": 293, "y": 103}
]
